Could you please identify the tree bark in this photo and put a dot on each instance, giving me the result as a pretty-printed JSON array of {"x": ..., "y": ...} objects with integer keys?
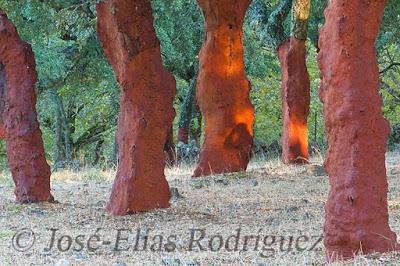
[
  {"x": 223, "y": 90},
  {"x": 25, "y": 150},
  {"x": 126, "y": 31},
  {"x": 295, "y": 94},
  {"x": 357, "y": 208},
  {"x": 295, "y": 90},
  {"x": 295, "y": 86}
]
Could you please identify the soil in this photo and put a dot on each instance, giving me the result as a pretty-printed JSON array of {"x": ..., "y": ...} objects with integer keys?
[{"x": 270, "y": 200}]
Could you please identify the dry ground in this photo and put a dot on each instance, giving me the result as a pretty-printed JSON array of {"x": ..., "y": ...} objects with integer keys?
[{"x": 271, "y": 201}]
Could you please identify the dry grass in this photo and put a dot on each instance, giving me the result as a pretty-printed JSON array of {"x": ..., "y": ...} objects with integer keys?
[{"x": 271, "y": 199}]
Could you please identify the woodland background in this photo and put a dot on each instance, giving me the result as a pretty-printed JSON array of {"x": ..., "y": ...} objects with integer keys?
[{"x": 78, "y": 97}]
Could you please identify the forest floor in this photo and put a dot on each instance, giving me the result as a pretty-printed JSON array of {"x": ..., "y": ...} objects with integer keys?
[{"x": 279, "y": 207}]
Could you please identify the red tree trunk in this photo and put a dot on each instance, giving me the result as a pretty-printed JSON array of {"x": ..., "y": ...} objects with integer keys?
[
  {"x": 223, "y": 90},
  {"x": 126, "y": 30},
  {"x": 25, "y": 150},
  {"x": 295, "y": 100},
  {"x": 357, "y": 210}
]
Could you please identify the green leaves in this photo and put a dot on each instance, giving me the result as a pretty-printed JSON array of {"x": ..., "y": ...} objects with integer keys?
[
  {"x": 179, "y": 26},
  {"x": 70, "y": 62}
]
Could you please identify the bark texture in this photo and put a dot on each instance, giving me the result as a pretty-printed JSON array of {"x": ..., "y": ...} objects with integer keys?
[
  {"x": 357, "y": 209},
  {"x": 295, "y": 86},
  {"x": 126, "y": 31},
  {"x": 25, "y": 150},
  {"x": 295, "y": 92},
  {"x": 223, "y": 90}
]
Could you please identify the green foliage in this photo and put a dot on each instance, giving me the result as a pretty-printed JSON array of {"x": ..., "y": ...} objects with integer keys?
[
  {"x": 78, "y": 93},
  {"x": 179, "y": 26},
  {"x": 70, "y": 64},
  {"x": 388, "y": 47},
  {"x": 316, "y": 20},
  {"x": 270, "y": 25},
  {"x": 263, "y": 68}
]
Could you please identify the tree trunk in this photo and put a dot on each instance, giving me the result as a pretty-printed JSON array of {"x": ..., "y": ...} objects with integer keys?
[
  {"x": 295, "y": 93},
  {"x": 169, "y": 149},
  {"x": 25, "y": 150},
  {"x": 126, "y": 31},
  {"x": 67, "y": 129},
  {"x": 58, "y": 147},
  {"x": 196, "y": 125},
  {"x": 295, "y": 89},
  {"x": 70, "y": 117},
  {"x": 186, "y": 114},
  {"x": 98, "y": 152},
  {"x": 223, "y": 90},
  {"x": 357, "y": 208},
  {"x": 2, "y": 100}
]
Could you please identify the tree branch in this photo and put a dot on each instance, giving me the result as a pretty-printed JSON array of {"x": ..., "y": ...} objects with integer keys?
[{"x": 395, "y": 64}]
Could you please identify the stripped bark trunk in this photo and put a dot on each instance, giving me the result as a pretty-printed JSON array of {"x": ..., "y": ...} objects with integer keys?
[
  {"x": 295, "y": 89},
  {"x": 357, "y": 208},
  {"x": 25, "y": 150},
  {"x": 126, "y": 31},
  {"x": 223, "y": 90},
  {"x": 295, "y": 94}
]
